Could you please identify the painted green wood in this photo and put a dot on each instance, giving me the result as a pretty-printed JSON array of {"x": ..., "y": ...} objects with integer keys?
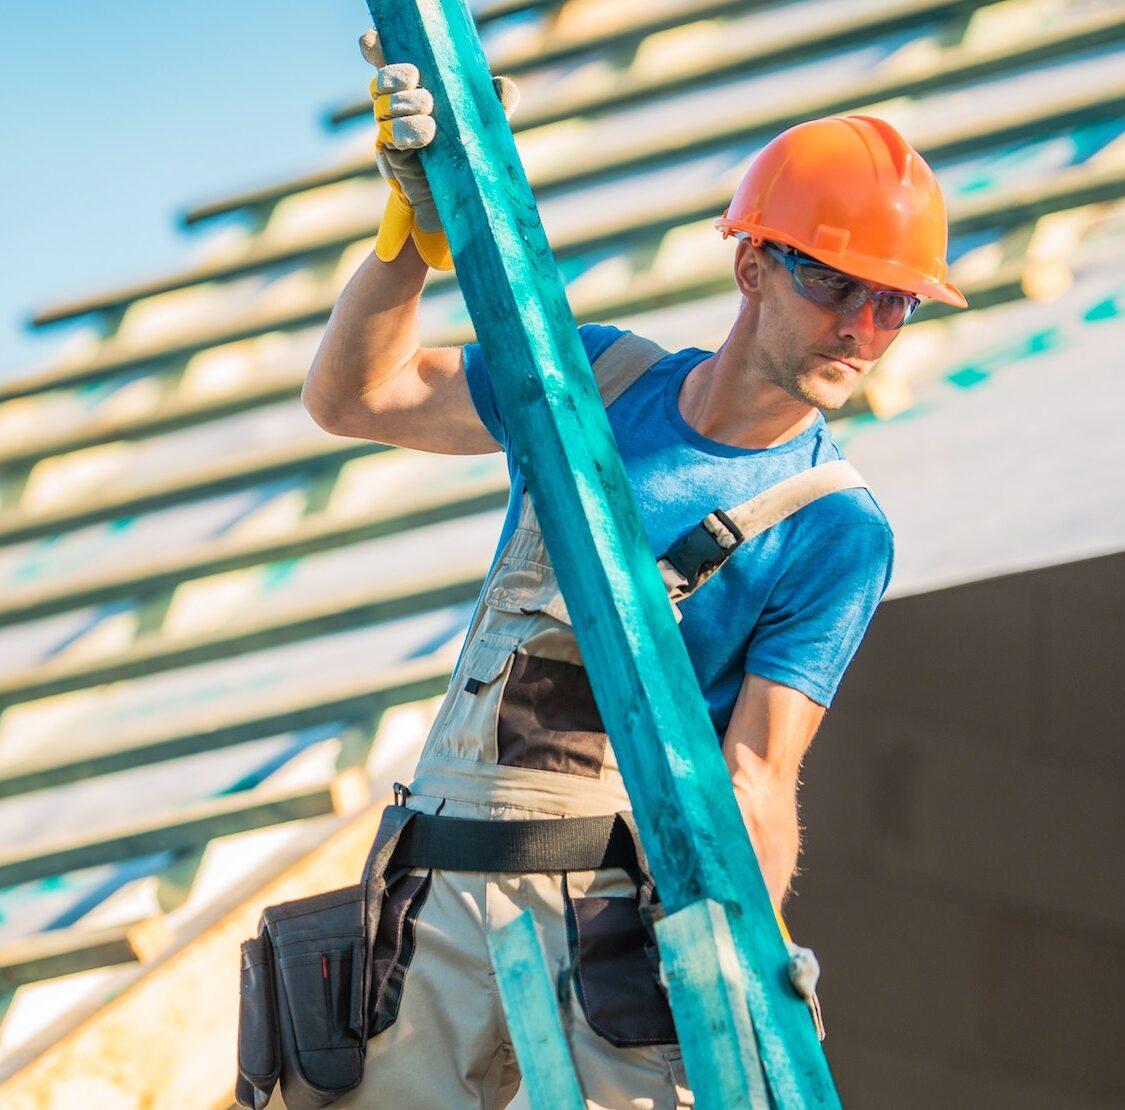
[
  {"x": 709, "y": 1003},
  {"x": 639, "y": 668},
  {"x": 188, "y": 828},
  {"x": 527, "y": 992}
]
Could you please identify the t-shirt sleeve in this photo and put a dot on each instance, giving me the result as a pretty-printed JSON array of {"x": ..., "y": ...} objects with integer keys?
[
  {"x": 596, "y": 338},
  {"x": 819, "y": 609}
]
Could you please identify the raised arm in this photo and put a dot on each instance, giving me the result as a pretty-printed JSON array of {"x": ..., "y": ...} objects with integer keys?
[{"x": 370, "y": 379}]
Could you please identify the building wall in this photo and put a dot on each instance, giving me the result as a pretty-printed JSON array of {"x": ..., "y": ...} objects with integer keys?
[{"x": 961, "y": 880}]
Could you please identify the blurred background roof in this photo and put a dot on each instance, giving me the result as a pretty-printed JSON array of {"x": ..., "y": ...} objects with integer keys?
[{"x": 222, "y": 631}]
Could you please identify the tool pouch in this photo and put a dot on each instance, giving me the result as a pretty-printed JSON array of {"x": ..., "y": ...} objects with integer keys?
[
  {"x": 306, "y": 986},
  {"x": 302, "y": 1005}
]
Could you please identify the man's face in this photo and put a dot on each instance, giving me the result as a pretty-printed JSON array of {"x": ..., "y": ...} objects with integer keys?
[{"x": 813, "y": 353}]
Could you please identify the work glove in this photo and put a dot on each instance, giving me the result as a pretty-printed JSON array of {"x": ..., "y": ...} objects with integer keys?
[
  {"x": 804, "y": 973},
  {"x": 405, "y": 122}
]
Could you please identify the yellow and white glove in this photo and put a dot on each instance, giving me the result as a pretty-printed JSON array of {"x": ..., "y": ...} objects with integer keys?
[
  {"x": 804, "y": 974},
  {"x": 404, "y": 117}
]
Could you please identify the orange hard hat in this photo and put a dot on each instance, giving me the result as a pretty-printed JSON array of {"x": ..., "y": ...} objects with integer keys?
[{"x": 851, "y": 192}]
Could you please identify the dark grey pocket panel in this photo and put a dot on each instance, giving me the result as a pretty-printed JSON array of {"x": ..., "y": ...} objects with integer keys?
[
  {"x": 259, "y": 1053},
  {"x": 615, "y": 975},
  {"x": 394, "y": 946},
  {"x": 549, "y": 720}
]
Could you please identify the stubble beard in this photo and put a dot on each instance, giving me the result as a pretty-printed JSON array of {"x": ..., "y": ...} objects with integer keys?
[{"x": 810, "y": 387}]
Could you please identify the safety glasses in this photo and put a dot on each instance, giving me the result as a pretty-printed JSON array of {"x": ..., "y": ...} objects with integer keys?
[{"x": 840, "y": 293}]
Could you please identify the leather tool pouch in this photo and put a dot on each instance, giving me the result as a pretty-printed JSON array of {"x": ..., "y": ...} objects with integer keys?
[{"x": 306, "y": 986}]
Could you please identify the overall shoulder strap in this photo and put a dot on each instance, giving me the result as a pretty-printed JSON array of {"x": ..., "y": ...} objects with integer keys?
[
  {"x": 789, "y": 496},
  {"x": 623, "y": 362},
  {"x": 711, "y": 542}
]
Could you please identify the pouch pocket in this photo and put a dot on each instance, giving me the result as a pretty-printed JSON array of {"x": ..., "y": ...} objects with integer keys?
[
  {"x": 324, "y": 995},
  {"x": 394, "y": 946},
  {"x": 615, "y": 972},
  {"x": 259, "y": 1053}
]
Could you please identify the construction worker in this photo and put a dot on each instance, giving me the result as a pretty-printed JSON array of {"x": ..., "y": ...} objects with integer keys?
[{"x": 841, "y": 233}]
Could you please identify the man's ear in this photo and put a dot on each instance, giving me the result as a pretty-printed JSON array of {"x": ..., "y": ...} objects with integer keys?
[{"x": 749, "y": 263}]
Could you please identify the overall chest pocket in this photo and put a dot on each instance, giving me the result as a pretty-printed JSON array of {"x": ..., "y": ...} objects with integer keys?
[
  {"x": 467, "y": 728},
  {"x": 526, "y": 587}
]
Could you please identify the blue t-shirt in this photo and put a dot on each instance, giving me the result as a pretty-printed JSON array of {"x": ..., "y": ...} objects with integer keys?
[{"x": 791, "y": 604}]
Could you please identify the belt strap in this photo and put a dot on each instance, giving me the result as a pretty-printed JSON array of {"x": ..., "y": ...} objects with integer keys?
[{"x": 561, "y": 844}]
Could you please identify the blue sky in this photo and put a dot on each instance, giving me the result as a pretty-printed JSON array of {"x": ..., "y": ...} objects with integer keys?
[{"x": 114, "y": 117}]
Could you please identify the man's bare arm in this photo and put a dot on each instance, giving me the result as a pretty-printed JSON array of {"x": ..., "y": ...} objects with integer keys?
[
  {"x": 769, "y": 732},
  {"x": 371, "y": 380}
]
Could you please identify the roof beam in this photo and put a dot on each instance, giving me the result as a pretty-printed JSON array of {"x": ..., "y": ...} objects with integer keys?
[
  {"x": 284, "y": 625},
  {"x": 322, "y": 532},
  {"x": 629, "y": 90},
  {"x": 208, "y": 480},
  {"x": 638, "y": 666},
  {"x": 187, "y": 828},
  {"x": 278, "y": 712},
  {"x": 64, "y": 952},
  {"x": 1003, "y": 210},
  {"x": 956, "y": 65}
]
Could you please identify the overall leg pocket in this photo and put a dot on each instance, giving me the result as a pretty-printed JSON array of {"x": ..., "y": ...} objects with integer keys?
[
  {"x": 259, "y": 1052},
  {"x": 394, "y": 946},
  {"x": 615, "y": 973}
]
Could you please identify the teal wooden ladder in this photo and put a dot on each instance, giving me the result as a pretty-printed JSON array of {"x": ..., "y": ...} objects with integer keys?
[{"x": 724, "y": 956}]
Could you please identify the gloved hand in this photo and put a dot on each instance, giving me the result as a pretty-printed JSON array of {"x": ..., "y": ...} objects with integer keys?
[
  {"x": 404, "y": 115},
  {"x": 804, "y": 973}
]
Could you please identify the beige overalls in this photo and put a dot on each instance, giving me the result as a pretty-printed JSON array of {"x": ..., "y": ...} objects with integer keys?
[{"x": 518, "y": 737}]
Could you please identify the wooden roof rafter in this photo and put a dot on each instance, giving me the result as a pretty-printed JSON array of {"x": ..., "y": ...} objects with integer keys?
[
  {"x": 187, "y": 827},
  {"x": 1004, "y": 209},
  {"x": 843, "y": 32},
  {"x": 957, "y": 65},
  {"x": 284, "y": 624},
  {"x": 321, "y": 703}
]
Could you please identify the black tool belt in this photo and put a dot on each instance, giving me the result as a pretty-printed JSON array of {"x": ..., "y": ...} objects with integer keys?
[
  {"x": 306, "y": 986},
  {"x": 566, "y": 844}
]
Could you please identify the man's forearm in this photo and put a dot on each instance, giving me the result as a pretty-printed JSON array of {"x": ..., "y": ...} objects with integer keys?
[
  {"x": 771, "y": 820},
  {"x": 372, "y": 332}
]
